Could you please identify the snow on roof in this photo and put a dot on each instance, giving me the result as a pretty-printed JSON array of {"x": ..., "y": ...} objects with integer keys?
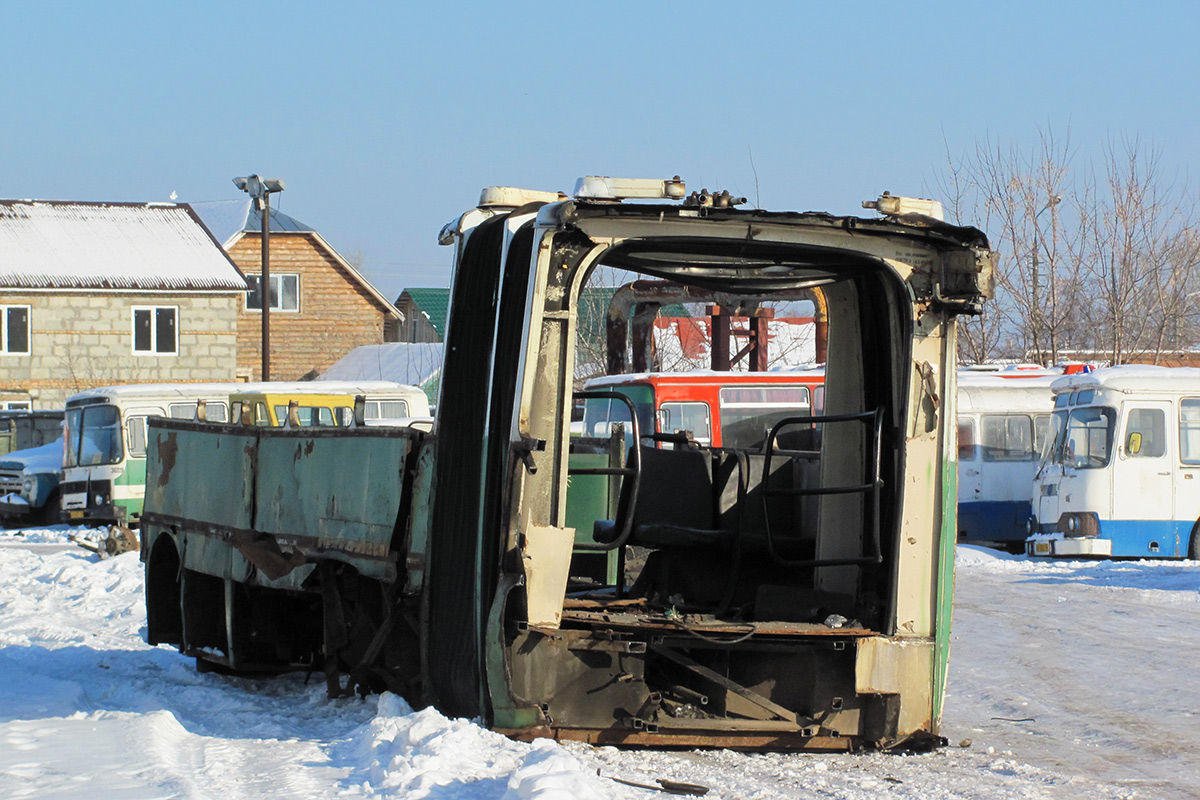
[
  {"x": 1134, "y": 378},
  {"x": 403, "y": 362},
  {"x": 156, "y": 246},
  {"x": 229, "y": 219}
]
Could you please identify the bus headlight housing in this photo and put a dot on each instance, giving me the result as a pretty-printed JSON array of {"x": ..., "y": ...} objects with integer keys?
[{"x": 1084, "y": 524}]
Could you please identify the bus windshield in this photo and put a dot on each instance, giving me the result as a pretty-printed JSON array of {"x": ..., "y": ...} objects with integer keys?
[
  {"x": 1087, "y": 442},
  {"x": 93, "y": 436},
  {"x": 1052, "y": 443}
]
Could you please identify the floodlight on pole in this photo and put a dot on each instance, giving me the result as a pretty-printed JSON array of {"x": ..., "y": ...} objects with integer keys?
[{"x": 260, "y": 189}]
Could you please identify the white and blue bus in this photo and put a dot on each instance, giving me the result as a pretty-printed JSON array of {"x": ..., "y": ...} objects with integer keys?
[
  {"x": 1120, "y": 475},
  {"x": 1003, "y": 417}
]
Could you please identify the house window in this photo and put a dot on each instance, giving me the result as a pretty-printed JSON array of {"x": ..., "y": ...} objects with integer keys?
[
  {"x": 155, "y": 331},
  {"x": 14, "y": 330},
  {"x": 285, "y": 293}
]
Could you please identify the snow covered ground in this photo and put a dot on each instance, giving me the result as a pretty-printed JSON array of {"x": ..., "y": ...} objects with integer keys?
[{"x": 1070, "y": 679}]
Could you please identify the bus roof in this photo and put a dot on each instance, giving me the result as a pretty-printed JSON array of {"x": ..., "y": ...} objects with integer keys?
[
  {"x": 814, "y": 374},
  {"x": 167, "y": 391},
  {"x": 1011, "y": 387},
  {"x": 987, "y": 392},
  {"x": 1134, "y": 378},
  {"x": 328, "y": 387}
]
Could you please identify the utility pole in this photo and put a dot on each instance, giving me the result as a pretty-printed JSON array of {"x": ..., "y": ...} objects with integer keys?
[{"x": 260, "y": 189}]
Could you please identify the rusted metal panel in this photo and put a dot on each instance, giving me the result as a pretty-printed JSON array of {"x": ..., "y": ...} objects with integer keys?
[
  {"x": 201, "y": 472},
  {"x": 326, "y": 492}
]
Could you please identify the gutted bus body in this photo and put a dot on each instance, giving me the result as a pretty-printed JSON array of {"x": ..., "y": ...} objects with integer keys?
[{"x": 635, "y": 588}]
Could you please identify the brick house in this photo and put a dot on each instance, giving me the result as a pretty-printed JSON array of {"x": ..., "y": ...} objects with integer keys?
[
  {"x": 94, "y": 294},
  {"x": 321, "y": 306}
]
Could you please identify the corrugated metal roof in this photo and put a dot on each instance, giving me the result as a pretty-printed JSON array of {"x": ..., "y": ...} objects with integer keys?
[
  {"x": 68, "y": 245},
  {"x": 227, "y": 219},
  {"x": 435, "y": 303}
]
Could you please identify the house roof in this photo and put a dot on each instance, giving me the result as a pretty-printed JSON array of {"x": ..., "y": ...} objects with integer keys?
[
  {"x": 403, "y": 362},
  {"x": 229, "y": 219},
  {"x": 148, "y": 246},
  {"x": 435, "y": 303}
]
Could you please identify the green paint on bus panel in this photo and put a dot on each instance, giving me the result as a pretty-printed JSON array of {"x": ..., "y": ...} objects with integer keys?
[{"x": 945, "y": 582}]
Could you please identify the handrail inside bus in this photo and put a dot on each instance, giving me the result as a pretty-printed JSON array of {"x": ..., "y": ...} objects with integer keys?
[{"x": 873, "y": 485}]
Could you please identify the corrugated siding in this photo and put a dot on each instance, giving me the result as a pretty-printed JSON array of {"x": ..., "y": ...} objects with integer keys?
[{"x": 100, "y": 246}]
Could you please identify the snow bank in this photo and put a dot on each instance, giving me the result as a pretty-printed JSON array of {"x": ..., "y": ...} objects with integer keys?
[
  {"x": 974, "y": 555},
  {"x": 418, "y": 754},
  {"x": 1164, "y": 583},
  {"x": 55, "y": 534},
  {"x": 1066, "y": 675}
]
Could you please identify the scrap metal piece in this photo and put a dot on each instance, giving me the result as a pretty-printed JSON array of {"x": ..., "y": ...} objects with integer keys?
[{"x": 664, "y": 785}]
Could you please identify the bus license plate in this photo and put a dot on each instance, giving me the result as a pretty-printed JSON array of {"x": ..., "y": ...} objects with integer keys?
[
  {"x": 76, "y": 515},
  {"x": 1041, "y": 548}
]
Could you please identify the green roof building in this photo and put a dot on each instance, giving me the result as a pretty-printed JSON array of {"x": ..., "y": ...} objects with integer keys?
[{"x": 425, "y": 312}]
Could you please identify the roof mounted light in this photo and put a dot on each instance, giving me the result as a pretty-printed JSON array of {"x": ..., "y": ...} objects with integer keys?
[
  {"x": 512, "y": 197},
  {"x": 895, "y": 206},
  {"x": 603, "y": 188}
]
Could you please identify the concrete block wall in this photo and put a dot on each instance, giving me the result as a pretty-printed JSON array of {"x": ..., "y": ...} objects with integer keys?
[{"x": 80, "y": 340}]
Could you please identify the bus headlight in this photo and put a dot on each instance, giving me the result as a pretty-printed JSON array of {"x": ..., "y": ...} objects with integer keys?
[
  {"x": 1072, "y": 524},
  {"x": 98, "y": 499}
]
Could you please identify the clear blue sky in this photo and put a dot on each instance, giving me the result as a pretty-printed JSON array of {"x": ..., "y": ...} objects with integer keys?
[{"x": 386, "y": 120}]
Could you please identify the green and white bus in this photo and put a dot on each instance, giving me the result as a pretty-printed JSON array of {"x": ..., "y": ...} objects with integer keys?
[{"x": 104, "y": 443}]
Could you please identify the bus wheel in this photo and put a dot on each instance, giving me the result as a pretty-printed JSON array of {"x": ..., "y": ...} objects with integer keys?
[{"x": 1194, "y": 546}]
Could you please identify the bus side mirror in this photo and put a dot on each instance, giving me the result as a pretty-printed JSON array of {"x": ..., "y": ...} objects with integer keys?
[
  {"x": 360, "y": 411},
  {"x": 1134, "y": 444}
]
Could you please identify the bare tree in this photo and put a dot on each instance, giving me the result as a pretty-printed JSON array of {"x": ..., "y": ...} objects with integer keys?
[
  {"x": 1100, "y": 263},
  {"x": 1018, "y": 198},
  {"x": 1138, "y": 251}
]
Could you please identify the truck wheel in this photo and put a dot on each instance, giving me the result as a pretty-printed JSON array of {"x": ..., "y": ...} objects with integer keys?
[{"x": 51, "y": 514}]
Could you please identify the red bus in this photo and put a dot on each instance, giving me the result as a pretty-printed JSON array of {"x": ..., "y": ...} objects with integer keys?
[{"x": 717, "y": 409}]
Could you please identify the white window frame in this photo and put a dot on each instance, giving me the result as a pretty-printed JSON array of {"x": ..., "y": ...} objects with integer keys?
[
  {"x": 275, "y": 277},
  {"x": 4, "y": 351},
  {"x": 153, "y": 351}
]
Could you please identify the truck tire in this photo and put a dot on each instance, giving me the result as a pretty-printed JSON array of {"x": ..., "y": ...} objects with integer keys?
[{"x": 51, "y": 513}]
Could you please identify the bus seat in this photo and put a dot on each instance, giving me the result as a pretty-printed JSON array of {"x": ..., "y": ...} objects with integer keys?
[{"x": 675, "y": 507}]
